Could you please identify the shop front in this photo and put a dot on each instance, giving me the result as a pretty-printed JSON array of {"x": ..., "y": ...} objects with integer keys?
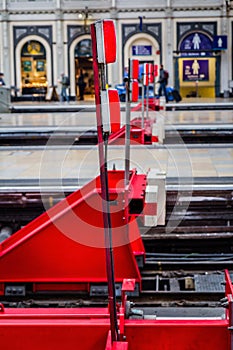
[
  {"x": 84, "y": 67},
  {"x": 33, "y": 61},
  {"x": 33, "y": 69}
]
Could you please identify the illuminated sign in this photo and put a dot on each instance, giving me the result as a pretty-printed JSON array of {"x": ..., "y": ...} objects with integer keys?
[
  {"x": 195, "y": 44},
  {"x": 220, "y": 42},
  {"x": 195, "y": 70}
]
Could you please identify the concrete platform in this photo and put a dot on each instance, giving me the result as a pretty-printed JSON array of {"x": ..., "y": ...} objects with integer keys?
[
  {"x": 195, "y": 103},
  {"x": 183, "y": 164},
  {"x": 46, "y": 166},
  {"x": 198, "y": 103},
  {"x": 84, "y": 115}
]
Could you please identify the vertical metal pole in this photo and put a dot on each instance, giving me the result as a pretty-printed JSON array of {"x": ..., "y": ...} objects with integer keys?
[
  {"x": 127, "y": 148},
  {"x": 127, "y": 151},
  {"x": 143, "y": 91},
  {"x": 127, "y": 131},
  {"x": 147, "y": 102},
  {"x": 104, "y": 191}
]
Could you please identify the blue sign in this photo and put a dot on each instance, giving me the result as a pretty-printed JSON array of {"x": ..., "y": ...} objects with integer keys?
[
  {"x": 196, "y": 41},
  {"x": 220, "y": 42},
  {"x": 195, "y": 70},
  {"x": 142, "y": 50}
]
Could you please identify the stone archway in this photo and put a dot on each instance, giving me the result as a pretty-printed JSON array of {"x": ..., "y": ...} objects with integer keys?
[
  {"x": 39, "y": 66},
  {"x": 151, "y": 53},
  {"x": 144, "y": 48},
  {"x": 81, "y": 57}
]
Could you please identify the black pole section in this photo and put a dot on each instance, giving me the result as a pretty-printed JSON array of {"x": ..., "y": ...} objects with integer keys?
[
  {"x": 104, "y": 190},
  {"x": 110, "y": 267},
  {"x": 127, "y": 127}
]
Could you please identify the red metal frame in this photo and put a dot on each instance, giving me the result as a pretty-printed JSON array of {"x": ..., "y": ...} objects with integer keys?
[
  {"x": 52, "y": 251},
  {"x": 47, "y": 329},
  {"x": 80, "y": 330},
  {"x": 88, "y": 329},
  {"x": 138, "y": 135},
  {"x": 153, "y": 104}
]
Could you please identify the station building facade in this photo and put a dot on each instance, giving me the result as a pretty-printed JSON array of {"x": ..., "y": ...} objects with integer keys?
[{"x": 40, "y": 39}]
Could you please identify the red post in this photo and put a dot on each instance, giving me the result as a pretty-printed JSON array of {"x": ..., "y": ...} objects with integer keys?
[{"x": 104, "y": 189}]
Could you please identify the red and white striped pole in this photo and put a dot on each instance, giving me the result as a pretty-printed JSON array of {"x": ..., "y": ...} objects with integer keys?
[{"x": 104, "y": 52}]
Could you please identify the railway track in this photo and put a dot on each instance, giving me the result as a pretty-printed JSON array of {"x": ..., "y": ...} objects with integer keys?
[
  {"x": 184, "y": 264},
  {"x": 203, "y": 134},
  {"x": 159, "y": 288},
  {"x": 187, "y": 134},
  {"x": 41, "y": 136},
  {"x": 206, "y": 214}
]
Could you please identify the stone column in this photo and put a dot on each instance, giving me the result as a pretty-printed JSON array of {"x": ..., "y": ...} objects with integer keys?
[
  {"x": 113, "y": 69},
  {"x": 59, "y": 46},
  {"x": 169, "y": 43},
  {"x": 6, "y": 48},
  {"x": 225, "y": 54}
]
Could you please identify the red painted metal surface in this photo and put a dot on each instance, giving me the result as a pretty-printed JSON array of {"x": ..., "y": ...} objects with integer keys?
[
  {"x": 105, "y": 41},
  {"x": 109, "y": 40},
  {"x": 134, "y": 69},
  {"x": 151, "y": 73},
  {"x": 25, "y": 329},
  {"x": 120, "y": 345},
  {"x": 153, "y": 104},
  {"x": 178, "y": 334},
  {"x": 134, "y": 91},
  {"x": 229, "y": 286},
  {"x": 88, "y": 330},
  {"x": 116, "y": 345},
  {"x": 66, "y": 244},
  {"x": 115, "y": 112},
  {"x": 138, "y": 135},
  {"x": 229, "y": 302}
]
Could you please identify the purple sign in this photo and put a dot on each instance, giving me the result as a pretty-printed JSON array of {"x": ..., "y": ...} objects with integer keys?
[
  {"x": 196, "y": 42},
  {"x": 195, "y": 70}
]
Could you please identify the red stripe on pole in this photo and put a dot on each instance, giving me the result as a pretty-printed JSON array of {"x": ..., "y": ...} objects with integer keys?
[
  {"x": 134, "y": 69},
  {"x": 114, "y": 108},
  {"x": 145, "y": 74},
  {"x": 134, "y": 91},
  {"x": 109, "y": 41},
  {"x": 151, "y": 73}
]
